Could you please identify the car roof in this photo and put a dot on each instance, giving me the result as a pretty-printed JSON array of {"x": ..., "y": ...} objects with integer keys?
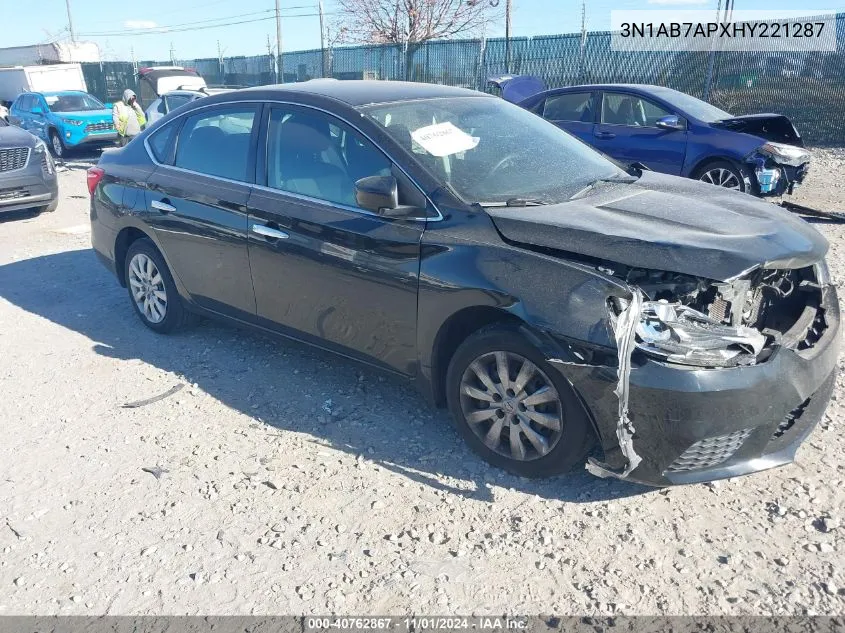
[
  {"x": 640, "y": 87},
  {"x": 59, "y": 93},
  {"x": 358, "y": 92}
]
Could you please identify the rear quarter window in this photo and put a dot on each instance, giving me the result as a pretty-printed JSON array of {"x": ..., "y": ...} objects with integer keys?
[{"x": 161, "y": 141}]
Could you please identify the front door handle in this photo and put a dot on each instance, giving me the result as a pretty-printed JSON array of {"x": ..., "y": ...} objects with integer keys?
[
  {"x": 162, "y": 206},
  {"x": 605, "y": 135},
  {"x": 269, "y": 231}
]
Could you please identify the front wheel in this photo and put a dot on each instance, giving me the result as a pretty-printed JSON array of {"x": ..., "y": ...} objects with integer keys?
[
  {"x": 722, "y": 174},
  {"x": 57, "y": 145},
  {"x": 513, "y": 408},
  {"x": 151, "y": 288}
]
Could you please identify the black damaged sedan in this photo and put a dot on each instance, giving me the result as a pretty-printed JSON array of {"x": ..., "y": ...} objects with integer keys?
[{"x": 548, "y": 298}]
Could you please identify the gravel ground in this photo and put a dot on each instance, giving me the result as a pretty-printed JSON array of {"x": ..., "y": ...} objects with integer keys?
[{"x": 283, "y": 480}]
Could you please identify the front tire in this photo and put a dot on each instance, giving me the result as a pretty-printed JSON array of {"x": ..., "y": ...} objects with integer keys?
[
  {"x": 722, "y": 174},
  {"x": 152, "y": 291},
  {"x": 57, "y": 145},
  {"x": 512, "y": 407}
]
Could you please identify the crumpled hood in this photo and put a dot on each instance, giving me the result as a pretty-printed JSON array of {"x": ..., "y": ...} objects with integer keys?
[
  {"x": 769, "y": 127},
  {"x": 668, "y": 223}
]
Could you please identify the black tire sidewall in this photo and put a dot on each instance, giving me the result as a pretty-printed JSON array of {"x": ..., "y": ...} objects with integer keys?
[
  {"x": 54, "y": 134},
  {"x": 175, "y": 312},
  {"x": 723, "y": 164},
  {"x": 577, "y": 431}
]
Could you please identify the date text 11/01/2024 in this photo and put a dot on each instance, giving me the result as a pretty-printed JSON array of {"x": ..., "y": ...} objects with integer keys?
[{"x": 416, "y": 623}]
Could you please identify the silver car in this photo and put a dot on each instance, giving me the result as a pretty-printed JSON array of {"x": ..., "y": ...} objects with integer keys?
[{"x": 27, "y": 172}]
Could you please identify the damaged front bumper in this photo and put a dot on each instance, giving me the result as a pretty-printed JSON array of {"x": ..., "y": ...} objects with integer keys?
[
  {"x": 685, "y": 424},
  {"x": 769, "y": 173}
]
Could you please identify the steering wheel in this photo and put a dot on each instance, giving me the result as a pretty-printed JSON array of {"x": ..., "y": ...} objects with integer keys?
[{"x": 502, "y": 163}]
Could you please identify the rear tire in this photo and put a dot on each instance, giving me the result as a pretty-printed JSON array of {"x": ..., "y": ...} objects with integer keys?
[
  {"x": 151, "y": 289},
  {"x": 498, "y": 385},
  {"x": 722, "y": 173}
]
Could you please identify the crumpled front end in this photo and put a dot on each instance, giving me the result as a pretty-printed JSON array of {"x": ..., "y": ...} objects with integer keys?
[
  {"x": 722, "y": 378},
  {"x": 775, "y": 169}
]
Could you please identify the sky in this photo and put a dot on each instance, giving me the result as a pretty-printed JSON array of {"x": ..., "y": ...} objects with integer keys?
[{"x": 197, "y": 31}]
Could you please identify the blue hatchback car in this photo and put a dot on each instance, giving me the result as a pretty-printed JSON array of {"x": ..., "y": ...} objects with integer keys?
[
  {"x": 64, "y": 119},
  {"x": 671, "y": 132}
]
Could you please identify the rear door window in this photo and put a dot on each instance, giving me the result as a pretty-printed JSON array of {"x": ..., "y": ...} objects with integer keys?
[
  {"x": 217, "y": 142},
  {"x": 571, "y": 106}
]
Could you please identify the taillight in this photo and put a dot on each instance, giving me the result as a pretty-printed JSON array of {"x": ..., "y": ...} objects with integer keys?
[{"x": 95, "y": 175}]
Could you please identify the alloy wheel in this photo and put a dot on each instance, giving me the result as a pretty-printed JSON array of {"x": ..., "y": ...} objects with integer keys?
[
  {"x": 511, "y": 405},
  {"x": 147, "y": 287},
  {"x": 58, "y": 149},
  {"x": 722, "y": 178}
]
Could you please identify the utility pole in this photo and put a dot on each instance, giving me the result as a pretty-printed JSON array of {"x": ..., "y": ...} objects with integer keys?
[
  {"x": 322, "y": 38},
  {"x": 70, "y": 22},
  {"x": 508, "y": 36},
  {"x": 582, "y": 64},
  {"x": 172, "y": 55},
  {"x": 270, "y": 55},
  {"x": 221, "y": 70},
  {"x": 280, "y": 71}
]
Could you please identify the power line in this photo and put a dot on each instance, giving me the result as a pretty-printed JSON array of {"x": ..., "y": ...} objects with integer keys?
[{"x": 202, "y": 24}]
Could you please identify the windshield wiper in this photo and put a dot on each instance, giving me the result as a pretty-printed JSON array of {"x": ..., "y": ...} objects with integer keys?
[{"x": 513, "y": 202}]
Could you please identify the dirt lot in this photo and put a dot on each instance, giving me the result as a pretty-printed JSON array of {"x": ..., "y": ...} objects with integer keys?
[{"x": 283, "y": 480}]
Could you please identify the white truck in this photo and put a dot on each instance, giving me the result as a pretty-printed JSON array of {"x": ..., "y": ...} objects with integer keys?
[{"x": 46, "y": 78}]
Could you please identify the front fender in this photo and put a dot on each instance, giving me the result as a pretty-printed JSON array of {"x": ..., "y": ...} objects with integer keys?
[{"x": 561, "y": 303}]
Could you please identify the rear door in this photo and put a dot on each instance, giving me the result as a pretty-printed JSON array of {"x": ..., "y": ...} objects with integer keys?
[
  {"x": 20, "y": 114},
  {"x": 627, "y": 131},
  {"x": 324, "y": 269},
  {"x": 197, "y": 203},
  {"x": 573, "y": 111}
]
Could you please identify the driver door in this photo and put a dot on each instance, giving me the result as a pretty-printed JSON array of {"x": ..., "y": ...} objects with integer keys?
[
  {"x": 323, "y": 269},
  {"x": 626, "y": 131}
]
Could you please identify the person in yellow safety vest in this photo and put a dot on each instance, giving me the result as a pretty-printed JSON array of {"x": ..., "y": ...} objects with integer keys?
[{"x": 128, "y": 118}]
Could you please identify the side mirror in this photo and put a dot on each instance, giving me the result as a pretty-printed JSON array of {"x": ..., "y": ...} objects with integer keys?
[
  {"x": 670, "y": 122},
  {"x": 108, "y": 106},
  {"x": 38, "y": 110},
  {"x": 378, "y": 193}
]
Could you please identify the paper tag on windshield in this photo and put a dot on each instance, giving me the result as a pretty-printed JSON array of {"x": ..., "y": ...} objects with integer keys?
[{"x": 443, "y": 139}]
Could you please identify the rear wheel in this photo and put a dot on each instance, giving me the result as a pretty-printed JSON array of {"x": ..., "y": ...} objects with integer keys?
[
  {"x": 722, "y": 174},
  {"x": 513, "y": 408},
  {"x": 57, "y": 145},
  {"x": 151, "y": 289}
]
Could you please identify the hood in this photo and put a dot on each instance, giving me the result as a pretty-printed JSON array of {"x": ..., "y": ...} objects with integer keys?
[
  {"x": 89, "y": 116},
  {"x": 671, "y": 224},
  {"x": 771, "y": 127},
  {"x": 11, "y": 136}
]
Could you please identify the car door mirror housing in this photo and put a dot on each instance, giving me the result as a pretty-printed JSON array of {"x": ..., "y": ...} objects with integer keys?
[
  {"x": 671, "y": 122},
  {"x": 38, "y": 110},
  {"x": 379, "y": 194}
]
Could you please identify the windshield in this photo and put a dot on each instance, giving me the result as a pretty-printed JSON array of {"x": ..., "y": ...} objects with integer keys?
[
  {"x": 490, "y": 151},
  {"x": 696, "y": 108},
  {"x": 78, "y": 102}
]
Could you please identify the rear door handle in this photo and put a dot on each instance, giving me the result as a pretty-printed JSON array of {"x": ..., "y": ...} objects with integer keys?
[
  {"x": 162, "y": 206},
  {"x": 605, "y": 135},
  {"x": 269, "y": 231}
]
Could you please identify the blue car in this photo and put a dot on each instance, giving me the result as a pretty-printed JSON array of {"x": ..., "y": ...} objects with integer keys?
[
  {"x": 64, "y": 120},
  {"x": 671, "y": 132}
]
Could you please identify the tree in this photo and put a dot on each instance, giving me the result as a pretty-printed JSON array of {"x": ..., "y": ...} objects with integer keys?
[{"x": 411, "y": 23}]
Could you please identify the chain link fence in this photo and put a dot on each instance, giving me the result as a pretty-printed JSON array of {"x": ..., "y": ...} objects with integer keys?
[{"x": 808, "y": 87}]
